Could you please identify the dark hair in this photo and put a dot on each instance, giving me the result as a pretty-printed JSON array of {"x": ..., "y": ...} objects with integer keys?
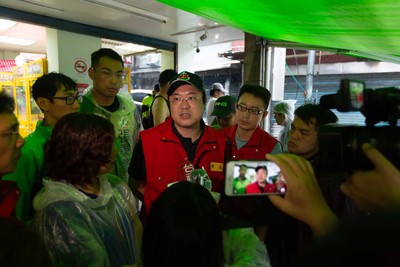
[
  {"x": 7, "y": 103},
  {"x": 213, "y": 91},
  {"x": 80, "y": 144},
  {"x": 308, "y": 112},
  {"x": 21, "y": 245},
  {"x": 166, "y": 76},
  {"x": 104, "y": 52},
  {"x": 157, "y": 87},
  {"x": 262, "y": 167},
  {"x": 183, "y": 228},
  {"x": 257, "y": 91},
  {"x": 49, "y": 84},
  {"x": 243, "y": 165}
]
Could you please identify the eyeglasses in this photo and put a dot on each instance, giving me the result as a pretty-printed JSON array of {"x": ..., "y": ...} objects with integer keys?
[
  {"x": 70, "y": 100},
  {"x": 253, "y": 111},
  {"x": 178, "y": 99},
  {"x": 107, "y": 74}
]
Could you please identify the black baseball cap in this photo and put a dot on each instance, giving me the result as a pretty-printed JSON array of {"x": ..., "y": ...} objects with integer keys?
[{"x": 186, "y": 77}]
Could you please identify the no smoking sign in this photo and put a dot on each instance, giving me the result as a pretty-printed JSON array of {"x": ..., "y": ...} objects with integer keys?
[{"x": 80, "y": 66}]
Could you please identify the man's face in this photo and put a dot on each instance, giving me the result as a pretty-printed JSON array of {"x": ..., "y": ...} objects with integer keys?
[
  {"x": 244, "y": 119},
  {"x": 279, "y": 118},
  {"x": 228, "y": 121},
  {"x": 186, "y": 113},
  {"x": 107, "y": 77},
  {"x": 303, "y": 138},
  {"x": 242, "y": 171},
  {"x": 10, "y": 143},
  {"x": 57, "y": 108},
  {"x": 261, "y": 175},
  {"x": 219, "y": 94}
]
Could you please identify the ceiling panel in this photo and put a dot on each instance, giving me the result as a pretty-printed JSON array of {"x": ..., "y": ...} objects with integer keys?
[{"x": 94, "y": 15}]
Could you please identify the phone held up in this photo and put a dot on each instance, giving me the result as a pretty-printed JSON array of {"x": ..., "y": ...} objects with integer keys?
[{"x": 253, "y": 177}]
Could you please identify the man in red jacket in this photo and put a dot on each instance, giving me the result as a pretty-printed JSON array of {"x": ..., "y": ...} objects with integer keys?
[
  {"x": 170, "y": 151},
  {"x": 10, "y": 151},
  {"x": 249, "y": 141},
  {"x": 258, "y": 186}
]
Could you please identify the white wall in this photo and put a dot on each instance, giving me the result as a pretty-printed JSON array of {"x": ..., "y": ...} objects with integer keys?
[{"x": 69, "y": 53}]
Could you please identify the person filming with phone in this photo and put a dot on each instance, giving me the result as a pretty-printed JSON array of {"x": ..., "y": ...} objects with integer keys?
[{"x": 359, "y": 241}]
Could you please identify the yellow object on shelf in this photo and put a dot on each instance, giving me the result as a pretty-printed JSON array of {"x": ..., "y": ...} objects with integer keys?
[{"x": 28, "y": 113}]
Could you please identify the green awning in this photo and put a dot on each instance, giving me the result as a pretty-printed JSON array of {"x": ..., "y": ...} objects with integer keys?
[{"x": 364, "y": 28}]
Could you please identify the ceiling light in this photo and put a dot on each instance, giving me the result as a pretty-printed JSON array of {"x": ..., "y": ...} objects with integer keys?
[
  {"x": 16, "y": 41},
  {"x": 134, "y": 47},
  {"x": 125, "y": 8},
  {"x": 6, "y": 24}
]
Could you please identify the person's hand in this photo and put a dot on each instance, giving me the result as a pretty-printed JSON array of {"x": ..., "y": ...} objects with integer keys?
[
  {"x": 375, "y": 189},
  {"x": 303, "y": 199}
]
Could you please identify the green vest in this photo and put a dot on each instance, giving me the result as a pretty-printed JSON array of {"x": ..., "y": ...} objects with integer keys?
[{"x": 127, "y": 125}]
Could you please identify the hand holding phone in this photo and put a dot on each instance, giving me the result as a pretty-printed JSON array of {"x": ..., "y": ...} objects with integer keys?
[
  {"x": 304, "y": 199},
  {"x": 253, "y": 177}
]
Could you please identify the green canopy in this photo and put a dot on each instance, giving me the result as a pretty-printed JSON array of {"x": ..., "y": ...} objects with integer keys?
[{"x": 363, "y": 28}]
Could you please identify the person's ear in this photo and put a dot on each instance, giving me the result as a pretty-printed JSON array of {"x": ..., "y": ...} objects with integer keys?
[
  {"x": 265, "y": 114},
  {"x": 106, "y": 168},
  {"x": 91, "y": 73},
  {"x": 43, "y": 103}
]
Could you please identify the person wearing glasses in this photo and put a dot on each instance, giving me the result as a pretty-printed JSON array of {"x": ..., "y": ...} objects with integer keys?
[
  {"x": 11, "y": 143},
  {"x": 248, "y": 140},
  {"x": 170, "y": 151},
  {"x": 107, "y": 74},
  {"x": 56, "y": 95}
]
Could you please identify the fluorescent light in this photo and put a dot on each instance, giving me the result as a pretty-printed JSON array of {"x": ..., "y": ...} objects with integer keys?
[
  {"x": 115, "y": 5},
  {"x": 134, "y": 47},
  {"x": 6, "y": 24},
  {"x": 16, "y": 41}
]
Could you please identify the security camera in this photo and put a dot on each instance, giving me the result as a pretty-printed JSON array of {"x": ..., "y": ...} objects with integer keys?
[
  {"x": 204, "y": 36},
  {"x": 197, "y": 50}
]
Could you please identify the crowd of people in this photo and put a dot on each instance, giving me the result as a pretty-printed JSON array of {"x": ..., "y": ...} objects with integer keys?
[{"x": 91, "y": 187}]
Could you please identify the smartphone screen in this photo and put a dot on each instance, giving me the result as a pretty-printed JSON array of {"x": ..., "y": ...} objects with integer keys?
[
  {"x": 253, "y": 177},
  {"x": 356, "y": 93}
]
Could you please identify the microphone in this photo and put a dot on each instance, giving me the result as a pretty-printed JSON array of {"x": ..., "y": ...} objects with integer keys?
[{"x": 200, "y": 176}]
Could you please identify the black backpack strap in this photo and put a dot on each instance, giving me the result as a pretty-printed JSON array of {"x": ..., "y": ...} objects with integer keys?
[{"x": 228, "y": 149}]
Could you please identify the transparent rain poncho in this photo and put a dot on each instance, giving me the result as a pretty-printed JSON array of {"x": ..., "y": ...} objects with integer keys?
[{"x": 83, "y": 231}]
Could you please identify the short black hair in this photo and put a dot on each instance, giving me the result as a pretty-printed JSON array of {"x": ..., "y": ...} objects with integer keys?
[
  {"x": 257, "y": 91},
  {"x": 105, "y": 52},
  {"x": 166, "y": 76},
  {"x": 7, "y": 103},
  {"x": 48, "y": 85},
  {"x": 183, "y": 228},
  {"x": 308, "y": 112},
  {"x": 261, "y": 167},
  {"x": 243, "y": 166}
]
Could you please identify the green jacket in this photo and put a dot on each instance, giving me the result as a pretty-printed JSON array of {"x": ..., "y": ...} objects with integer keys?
[
  {"x": 29, "y": 172},
  {"x": 127, "y": 124}
]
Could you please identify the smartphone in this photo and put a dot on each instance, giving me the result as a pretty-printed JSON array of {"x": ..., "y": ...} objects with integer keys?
[{"x": 253, "y": 177}]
